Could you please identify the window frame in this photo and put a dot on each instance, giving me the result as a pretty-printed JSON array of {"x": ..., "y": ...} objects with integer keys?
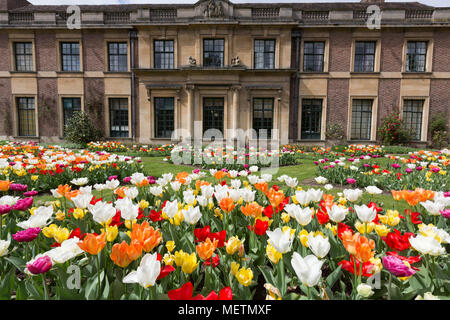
[
  {"x": 418, "y": 136},
  {"x": 34, "y": 116},
  {"x": 157, "y": 119},
  {"x": 214, "y": 51},
  {"x": 205, "y": 111},
  {"x": 352, "y": 119},
  {"x": 63, "y": 108},
  {"x": 364, "y": 55},
  {"x": 320, "y": 119},
  {"x": 264, "y": 99},
  {"x": 62, "y": 54},
  {"x": 264, "y": 53},
  {"x": 111, "y": 115},
  {"x": 314, "y": 54},
  {"x": 29, "y": 56},
  {"x": 425, "y": 55},
  {"x": 118, "y": 54},
  {"x": 163, "y": 53}
]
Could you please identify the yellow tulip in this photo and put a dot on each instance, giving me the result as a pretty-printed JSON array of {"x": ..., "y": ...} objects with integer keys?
[
  {"x": 111, "y": 233},
  {"x": 272, "y": 253},
  {"x": 170, "y": 245},
  {"x": 49, "y": 231},
  {"x": 364, "y": 227},
  {"x": 381, "y": 230},
  {"x": 60, "y": 215},
  {"x": 304, "y": 238},
  {"x": 79, "y": 213},
  {"x": 34, "y": 178},
  {"x": 189, "y": 263},
  {"x": 179, "y": 257},
  {"x": 61, "y": 234},
  {"x": 143, "y": 204},
  {"x": 232, "y": 245},
  {"x": 285, "y": 217},
  {"x": 168, "y": 259},
  {"x": 234, "y": 268},
  {"x": 244, "y": 276}
]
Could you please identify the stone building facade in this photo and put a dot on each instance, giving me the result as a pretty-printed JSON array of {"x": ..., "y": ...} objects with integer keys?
[{"x": 143, "y": 71}]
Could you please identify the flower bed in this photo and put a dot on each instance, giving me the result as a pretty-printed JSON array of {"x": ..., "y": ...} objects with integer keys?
[
  {"x": 181, "y": 237},
  {"x": 229, "y": 158},
  {"x": 41, "y": 169},
  {"x": 136, "y": 150},
  {"x": 422, "y": 169}
]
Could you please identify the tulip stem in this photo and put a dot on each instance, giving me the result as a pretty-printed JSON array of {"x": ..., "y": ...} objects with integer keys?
[
  {"x": 98, "y": 276},
  {"x": 1, "y": 226},
  {"x": 45, "y": 287}
]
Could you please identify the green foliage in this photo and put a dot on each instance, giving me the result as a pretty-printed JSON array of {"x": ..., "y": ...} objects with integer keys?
[
  {"x": 81, "y": 130},
  {"x": 393, "y": 130},
  {"x": 439, "y": 134},
  {"x": 335, "y": 131}
]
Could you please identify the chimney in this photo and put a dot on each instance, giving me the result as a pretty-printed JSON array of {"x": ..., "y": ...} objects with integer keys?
[{"x": 6, "y": 5}]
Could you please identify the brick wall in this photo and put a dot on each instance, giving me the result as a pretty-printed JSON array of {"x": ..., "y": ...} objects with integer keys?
[
  {"x": 46, "y": 51},
  {"x": 5, "y": 61},
  {"x": 93, "y": 51},
  {"x": 337, "y": 108},
  {"x": 388, "y": 97},
  {"x": 94, "y": 101},
  {"x": 48, "y": 107},
  {"x": 6, "y": 116},
  {"x": 391, "y": 51},
  {"x": 439, "y": 99},
  {"x": 441, "y": 51},
  {"x": 340, "y": 50}
]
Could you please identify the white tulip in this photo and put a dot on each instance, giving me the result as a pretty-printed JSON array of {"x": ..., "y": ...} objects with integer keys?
[
  {"x": 69, "y": 249},
  {"x": 147, "y": 272},
  {"x": 207, "y": 191},
  {"x": 308, "y": 269},
  {"x": 365, "y": 214},
  {"x": 236, "y": 183},
  {"x": 8, "y": 200},
  {"x": 192, "y": 215},
  {"x": 291, "y": 182},
  {"x": 319, "y": 245},
  {"x": 102, "y": 212},
  {"x": 128, "y": 210},
  {"x": 321, "y": 180},
  {"x": 86, "y": 190},
  {"x": 303, "y": 197},
  {"x": 247, "y": 195},
  {"x": 156, "y": 190},
  {"x": 427, "y": 245},
  {"x": 80, "y": 181},
  {"x": 111, "y": 185},
  {"x": 328, "y": 187},
  {"x": 281, "y": 241},
  {"x": 315, "y": 194},
  {"x": 137, "y": 178},
  {"x": 302, "y": 215},
  {"x": 4, "y": 247},
  {"x": 171, "y": 208},
  {"x": 352, "y": 195},
  {"x": 373, "y": 190},
  {"x": 82, "y": 201},
  {"x": 39, "y": 219},
  {"x": 337, "y": 213},
  {"x": 364, "y": 290},
  {"x": 132, "y": 192},
  {"x": 433, "y": 207},
  {"x": 202, "y": 201}
]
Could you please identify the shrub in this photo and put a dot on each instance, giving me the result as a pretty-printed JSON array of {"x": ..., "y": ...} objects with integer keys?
[
  {"x": 439, "y": 133},
  {"x": 335, "y": 131},
  {"x": 393, "y": 130},
  {"x": 80, "y": 129},
  {"x": 440, "y": 139}
]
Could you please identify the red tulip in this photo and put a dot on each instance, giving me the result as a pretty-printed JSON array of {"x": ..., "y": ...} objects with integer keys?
[
  {"x": 183, "y": 293},
  {"x": 350, "y": 267},
  {"x": 260, "y": 227},
  {"x": 397, "y": 241},
  {"x": 165, "y": 272},
  {"x": 220, "y": 236},
  {"x": 202, "y": 233}
]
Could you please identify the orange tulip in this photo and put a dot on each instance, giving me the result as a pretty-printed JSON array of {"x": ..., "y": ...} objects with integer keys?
[
  {"x": 146, "y": 236},
  {"x": 219, "y": 175},
  {"x": 4, "y": 185},
  {"x": 93, "y": 244},
  {"x": 119, "y": 254},
  {"x": 358, "y": 245},
  {"x": 206, "y": 249},
  {"x": 200, "y": 183},
  {"x": 72, "y": 194},
  {"x": 253, "y": 210},
  {"x": 181, "y": 177},
  {"x": 275, "y": 197},
  {"x": 120, "y": 191},
  {"x": 227, "y": 204},
  {"x": 262, "y": 186},
  {"x": 328, "y": 198},
  {"x": 63, "y": 189}
]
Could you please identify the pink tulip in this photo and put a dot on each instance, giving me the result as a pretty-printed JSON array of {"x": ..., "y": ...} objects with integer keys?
[
  {"x": 395, "y": 165},
  {"x": 351, "y": 181},
  {"x": 436, "y": 169},
  {"x": 445, "y": 213},
  {"x": 31, "y": 193},
  {"x": 26, "y": 235},
  {"x": 18, "y": 187},
  {"x": 127, "y": 180},
  {"x": 4, "y": 209},
  {"x": 110, "y": 178},
  {"x": 396, "y": 266},
  {"x": 23, "y": 204},
  {"x": 419, "y": 168},
  {"x": 40, "y": 265},
  {"x": 408, "y": 170}
]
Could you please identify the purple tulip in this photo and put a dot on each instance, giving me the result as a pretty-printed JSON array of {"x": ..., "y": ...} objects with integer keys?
[
  {"x": 445, "y": 213},
  {"x": 31, "y": 193},
  {"x": 336, "y": 161},
  {"x": 23, "y": 204},
  {"x": 325, "y": 168},
  {"x": 408, "y": 170},
  {"x": 351, "y": 181},
  {"x": 18, "y": 187},
  {"x": 40, "y": 265},
  {"x": 138, "y": 161},
  {"x": 26, "y": 235},
  {"x": 361, "y": 157},
  {"x": 322, "y": 161},
  {"x": 12, "y": 163},
  {"x": 396, "y": 266},
  {"x": 326, "y": 159}
]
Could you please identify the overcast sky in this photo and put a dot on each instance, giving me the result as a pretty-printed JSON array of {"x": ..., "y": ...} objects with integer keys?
[{"x": 436, "y": 3}]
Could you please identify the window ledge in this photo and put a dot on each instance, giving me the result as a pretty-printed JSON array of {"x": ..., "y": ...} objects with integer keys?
[
  {"x": 24, "y": 72},
  {"x": 365, "y": 73},
  {"x": 415, "y": 73},
  {"x": 117, "y": 72},
  {"x": 69, "y": 72}
]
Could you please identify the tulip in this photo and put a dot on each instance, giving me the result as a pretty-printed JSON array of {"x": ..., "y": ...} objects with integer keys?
[
  {"x": 445, "y": 213},
  {"x": 4, "y": 209},
  {"x": 147, "y": 272},
  {"x": 192, "y": 215},
  {"x": 308, "y": 269},
  {"x": 129, "y": 211},
  {"x": 273, "y": 254},
  {"x": 397, "y": 267},
  {"x": 281, "y": 241},
  {"x": 4, "y": 247},
  {"x": 365, "y": 214},
  {"x": 319, "y": 245},
  {"x": 93, "y": 244},
  {"x": 352, "y": 195},
  {"x": 427, "y": 245},
  {"x": 302, "y": 215},
  {"x": 82, "y": 201},
  {"x": 26, "y": 235},
  {"x": 148, "y": 237},
  {"x": 171, "y": 208},
  {"x": 23, "y": 204},
  {"x": 261, "y": 227},
  {"x": 233, "y": 245},
  {"x": 364, "y": 290},
  {"x": 206, "y": 249},
  {"x": 40, "y": 265},
  {"x": 102, "y": 212},
  {"x": 189, "y": 263},
  {"x": 38, "y": 219},
  {"x": 433, "y": 207},
  {"x": 351, "y": 181},
  {"x": 337, "y": 213},
  {"x": 244, "y": 276}
]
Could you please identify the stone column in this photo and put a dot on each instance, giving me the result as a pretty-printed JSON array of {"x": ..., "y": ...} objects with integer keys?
[
  {"x": 190, "y": 114},
  {"x": 235, "y": 107}
]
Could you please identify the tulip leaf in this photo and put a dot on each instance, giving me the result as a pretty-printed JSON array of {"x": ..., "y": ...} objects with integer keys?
[
  {"x": 19, "y": 263},
  {"x": 281, "y": 278},
  {"x": 33, "y": 291},
  {"x": 7, "y": 284},
  {"x": 117, "y": 289},
  {"x": 21, "y": 291},
  {"x": 106, "y": 290},
  {"x": 334, "y": 276},
  {"x": 268, "y": 276}
]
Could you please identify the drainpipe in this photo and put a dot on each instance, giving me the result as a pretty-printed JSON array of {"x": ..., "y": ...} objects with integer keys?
[
  {"x": 296, "y": 34},
  {"x": 133, "y": 36}
]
